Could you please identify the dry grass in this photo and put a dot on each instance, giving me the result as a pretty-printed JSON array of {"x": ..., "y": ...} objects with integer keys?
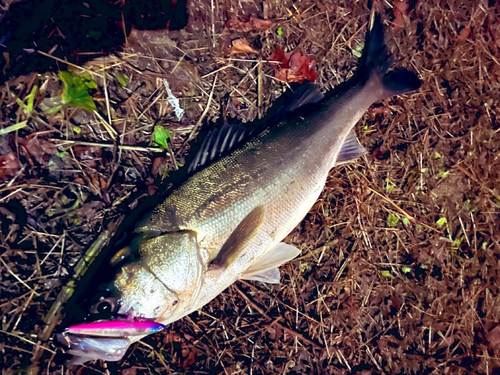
[{"x": 400, "y": 265}]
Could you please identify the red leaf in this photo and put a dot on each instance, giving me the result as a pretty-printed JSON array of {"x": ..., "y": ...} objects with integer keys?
[{"x": 293, "y": 66}]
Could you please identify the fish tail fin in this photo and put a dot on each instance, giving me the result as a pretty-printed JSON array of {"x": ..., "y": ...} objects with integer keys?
[{"x": 376, "y": 61}]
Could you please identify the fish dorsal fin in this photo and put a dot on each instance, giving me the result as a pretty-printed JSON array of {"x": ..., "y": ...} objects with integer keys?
[
  {"x": 307, "y": 93},
  {"x": 274, "y": 258},
  {"x": 221, "y": 141},
  {"x": 239, "y": 239},
  {"x": 351, "y": 149},
  {"x": 218, "y": 142}
]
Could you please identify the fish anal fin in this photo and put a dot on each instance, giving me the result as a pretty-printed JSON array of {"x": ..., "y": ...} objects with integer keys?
[
  {"x": 263, "y": 268},
  {"x": 351, "y": 149},
  {"x": 239, "y": 238}
]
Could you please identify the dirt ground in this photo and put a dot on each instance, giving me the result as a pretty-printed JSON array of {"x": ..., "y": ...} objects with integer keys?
[{"x": 400, "y": 264}]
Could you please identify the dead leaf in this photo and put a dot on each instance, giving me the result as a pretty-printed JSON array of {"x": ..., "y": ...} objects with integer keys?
[
  {"x": 251, "y": 24},
  {"x": 9, "y": 165},
  {"x": 159, "y": 165},
  {"x": 38, "y": 148},
  {"x": 293, "y": 66},
  {"x": 463, "y": 35},
  {"x": 400, "y": 10},
  {"x": 191, "y": 358},
  {"x": 380, "y": 110},
  {"x": 493, "y": 336},
  {"x": 241, "y": 45}
]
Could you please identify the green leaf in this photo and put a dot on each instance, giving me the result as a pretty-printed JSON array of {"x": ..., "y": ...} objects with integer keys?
[
  {"x": 54, "y": 109},
  {"x": 358, "y": 51},
  {"x": 441, "y": 221},
  {"x": 406, "y": 269},
  {"x": 122, "y": 79},
  {"x": 389, "y": 187},
  {"x": 392, "y": 220},
  {"x": 160, "y": 136},
  {"x": 406, "y": 221},
  {"x": 94, "y": 34},
  {"x": 279, "y": 31},
  {"x": 386, "y": 273},
  {"x": 443, "y": 174},
  {"x": 76, "y": 90},
  {"x": 30, "y": 99},
  {"x": 13, "y": 128}
]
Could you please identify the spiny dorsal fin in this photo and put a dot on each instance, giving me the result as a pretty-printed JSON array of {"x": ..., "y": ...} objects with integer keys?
[
  {"x": 217, "y": 143},
  {"x": 220, "y": 142},
  {"x": 351, "y": 149}
]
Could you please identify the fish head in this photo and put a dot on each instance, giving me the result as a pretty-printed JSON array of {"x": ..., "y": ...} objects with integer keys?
[{"x": 125, "y": 301}]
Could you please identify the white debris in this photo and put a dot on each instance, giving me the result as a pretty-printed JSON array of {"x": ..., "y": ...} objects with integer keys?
[{"x": 174, "y": 102}]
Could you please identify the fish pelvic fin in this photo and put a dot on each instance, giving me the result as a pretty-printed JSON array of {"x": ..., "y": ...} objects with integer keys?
[
  {"x": 376, "y": 61},
  {"x": 265, "y": 269}
]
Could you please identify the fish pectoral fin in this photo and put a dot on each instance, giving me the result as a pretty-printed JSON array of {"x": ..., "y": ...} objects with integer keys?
[
  {"x": 271, "y": 276},
  {"x": 266, "y": 268},
  {"x": 351, "y": 149},
  {"x": 241, "y": 236}
]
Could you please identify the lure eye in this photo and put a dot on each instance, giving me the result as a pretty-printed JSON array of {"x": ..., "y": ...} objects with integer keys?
[{"x": 104, "y": 306}]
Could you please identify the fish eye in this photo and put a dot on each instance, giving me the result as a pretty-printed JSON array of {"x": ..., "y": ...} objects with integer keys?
[{"x": 104, "y": 306}]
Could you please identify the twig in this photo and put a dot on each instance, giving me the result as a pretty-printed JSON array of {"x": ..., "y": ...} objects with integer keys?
[
  {"x": 284, "y": 328},
  {"x": 476, "y": 180},
  {"x": 17, "y": 277},
  {"x": 26, "y": 340},
  {"x": 109, "y": 128},
  {"x": 108, "y": 145},
  {"x": 406, "y": 214},
  {"x": 202, "y": 117},
  {"x": 69, "y": 63}
]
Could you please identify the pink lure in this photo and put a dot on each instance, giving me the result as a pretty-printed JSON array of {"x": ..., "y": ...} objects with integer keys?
[{"x": 117, "y": 328}]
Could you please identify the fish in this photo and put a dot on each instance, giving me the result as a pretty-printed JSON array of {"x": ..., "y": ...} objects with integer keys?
[{"x": 246, "y": 191}]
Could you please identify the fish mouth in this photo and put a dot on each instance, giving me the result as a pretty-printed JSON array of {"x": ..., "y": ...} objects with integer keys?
[
  {"x": 105, "y": 340},
  {"x": 81, "y": 349}
]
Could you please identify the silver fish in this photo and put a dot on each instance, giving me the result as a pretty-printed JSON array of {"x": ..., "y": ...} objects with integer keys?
[{"x": 226, "y": 221}]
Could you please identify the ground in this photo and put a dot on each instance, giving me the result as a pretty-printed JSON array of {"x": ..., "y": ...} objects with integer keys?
[{"x": 399, "y": 271}]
